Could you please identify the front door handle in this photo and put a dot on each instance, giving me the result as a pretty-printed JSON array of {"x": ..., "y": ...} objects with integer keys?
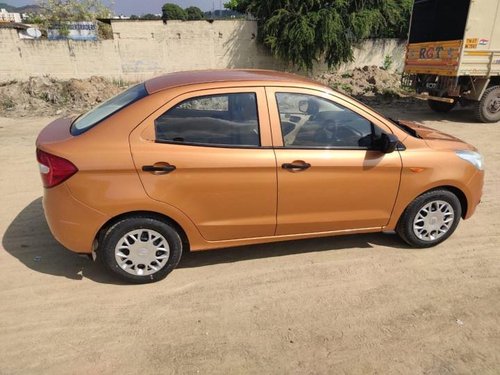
[
  {"x": 161, "y": 168},
  {"x": 296, "y": 165}
]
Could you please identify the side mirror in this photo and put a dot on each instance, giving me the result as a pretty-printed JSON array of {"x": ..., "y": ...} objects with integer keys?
[{"x": 388, "y": 143}]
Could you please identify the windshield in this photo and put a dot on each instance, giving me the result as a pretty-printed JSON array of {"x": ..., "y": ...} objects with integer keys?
[{"x": 106, "y": 109}]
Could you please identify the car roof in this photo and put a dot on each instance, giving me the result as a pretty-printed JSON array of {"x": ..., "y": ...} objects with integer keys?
[{"x": 227, "y": 77}]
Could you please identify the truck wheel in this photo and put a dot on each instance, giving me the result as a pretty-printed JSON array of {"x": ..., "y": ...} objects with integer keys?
[
  {"x": 441, "y": 107},
  {"x": 488, "y": 108}
]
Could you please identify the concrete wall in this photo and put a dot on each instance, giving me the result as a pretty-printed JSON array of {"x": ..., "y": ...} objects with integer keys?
[
  {"x": 141, "y": 49},
  {"x": 374, "y": 51}
]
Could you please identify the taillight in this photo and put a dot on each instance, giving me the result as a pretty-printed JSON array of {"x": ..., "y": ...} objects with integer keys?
[{"x": 54, "y": 169}]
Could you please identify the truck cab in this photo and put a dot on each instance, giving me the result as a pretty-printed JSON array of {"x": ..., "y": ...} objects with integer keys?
[{"x": 453, "y": 55}]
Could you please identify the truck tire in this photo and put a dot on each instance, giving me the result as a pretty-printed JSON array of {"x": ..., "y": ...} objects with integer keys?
[
  {"x": 441, "y": 107},
  {"x": 488, "y": 108}
]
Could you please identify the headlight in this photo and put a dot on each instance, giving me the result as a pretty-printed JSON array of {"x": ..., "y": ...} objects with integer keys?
[{"x": 475, "y": 158}]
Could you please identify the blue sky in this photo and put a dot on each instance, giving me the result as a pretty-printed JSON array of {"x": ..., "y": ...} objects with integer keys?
[{"x": 128, "y": 7}]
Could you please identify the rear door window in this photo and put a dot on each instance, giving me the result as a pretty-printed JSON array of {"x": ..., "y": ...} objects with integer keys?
[{"x": 228, "y": 120}]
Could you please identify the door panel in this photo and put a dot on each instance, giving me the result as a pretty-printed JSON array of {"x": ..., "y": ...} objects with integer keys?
[
  {"x": 345, "y": 187},
  {"x": 228, "y": 192}
]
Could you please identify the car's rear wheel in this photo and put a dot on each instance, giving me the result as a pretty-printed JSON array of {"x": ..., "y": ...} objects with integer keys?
[
  {"x": 140, "y": 249},
  {"x": 430, "y": 219}
]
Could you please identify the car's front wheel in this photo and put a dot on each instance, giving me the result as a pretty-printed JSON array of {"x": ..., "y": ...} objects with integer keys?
[
  {"x": 140, "y": 249},
  {"x": 430, "y": 219}
]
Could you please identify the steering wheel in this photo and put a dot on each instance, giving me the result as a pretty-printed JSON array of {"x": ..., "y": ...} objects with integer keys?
[{"x": 343, "y": 133}]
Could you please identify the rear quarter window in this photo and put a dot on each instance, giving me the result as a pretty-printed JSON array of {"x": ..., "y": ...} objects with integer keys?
[{"x": 108, "y": 108}]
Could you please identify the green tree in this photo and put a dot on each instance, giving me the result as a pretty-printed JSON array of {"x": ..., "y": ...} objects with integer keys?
[
  {"x": 60, "y": 12},
  {"x": 302, "y": 32},
  {"x": 173, "y": 12},
  {"x": 150, "y": 16},
  {"x": 73, "y": 10},
  {"x": 241, "y": 6},
  {"x": 194, "y": 13}
]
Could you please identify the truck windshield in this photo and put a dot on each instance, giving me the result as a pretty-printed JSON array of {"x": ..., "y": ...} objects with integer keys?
[
  {"x": 438, "y": 20},
  {"x": 108, "y": 108}
]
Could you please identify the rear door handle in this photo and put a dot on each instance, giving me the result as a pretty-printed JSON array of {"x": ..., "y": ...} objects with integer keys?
[
  {"x": 296, "y": 165},
  {"x": 165, "y": 168}
]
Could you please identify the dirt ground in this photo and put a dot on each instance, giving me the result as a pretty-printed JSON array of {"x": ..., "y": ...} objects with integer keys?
[{"x": 357, "y": 304}]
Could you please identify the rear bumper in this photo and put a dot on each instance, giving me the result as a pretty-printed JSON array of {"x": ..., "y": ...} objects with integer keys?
[{"x": 71, "y": 222}]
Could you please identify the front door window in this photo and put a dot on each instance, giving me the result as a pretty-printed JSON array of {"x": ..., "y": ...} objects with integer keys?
[{"x": 309, "y": 121}]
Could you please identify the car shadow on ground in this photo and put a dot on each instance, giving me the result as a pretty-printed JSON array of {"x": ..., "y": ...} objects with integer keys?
[
  {"x": 277, "y": 249},
  {"x": 28, "y": 239}
]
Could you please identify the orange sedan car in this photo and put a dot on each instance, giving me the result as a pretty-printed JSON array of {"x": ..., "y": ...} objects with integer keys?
[{"x": 210, "y": 159}]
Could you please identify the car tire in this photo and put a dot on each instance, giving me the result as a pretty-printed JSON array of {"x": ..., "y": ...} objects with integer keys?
[
  {"x": 140, "y": 249},
  {"x": 441, "y": 107},
  {"x": 488, "y": 108},
  {"x": 430, "y": 219}
]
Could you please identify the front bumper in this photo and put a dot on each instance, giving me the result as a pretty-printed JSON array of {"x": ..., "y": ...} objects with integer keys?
[{"x": 475, "y": 192}]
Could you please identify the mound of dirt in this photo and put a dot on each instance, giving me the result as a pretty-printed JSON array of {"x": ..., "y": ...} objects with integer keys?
[
  {"x": 369, "y": 81},
  {"x": 39, "y": 96},
  {"x": 46, "y": 96}
]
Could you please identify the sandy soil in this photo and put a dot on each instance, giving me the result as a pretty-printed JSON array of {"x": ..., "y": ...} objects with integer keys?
[{"x": 356, "y": 304}]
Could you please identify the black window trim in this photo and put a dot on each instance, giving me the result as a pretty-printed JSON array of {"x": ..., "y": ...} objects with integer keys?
[
  {"x": 323, "y": 148},
  {"x": 400, "y": 147},
  {"x": 215, "y": 145}
]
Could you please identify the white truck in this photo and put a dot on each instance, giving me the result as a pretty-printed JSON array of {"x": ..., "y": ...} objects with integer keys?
[{"x": 453, "y": 55}]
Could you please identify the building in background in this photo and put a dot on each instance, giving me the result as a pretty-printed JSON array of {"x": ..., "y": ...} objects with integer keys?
[{"x": 9, "y": 17}]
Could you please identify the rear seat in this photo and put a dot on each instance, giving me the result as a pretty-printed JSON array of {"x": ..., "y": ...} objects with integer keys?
[{"x": 207, "y": 130}]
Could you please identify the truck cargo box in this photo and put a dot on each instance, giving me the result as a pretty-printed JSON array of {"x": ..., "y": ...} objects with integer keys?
[{"x": 454, "y": 38}]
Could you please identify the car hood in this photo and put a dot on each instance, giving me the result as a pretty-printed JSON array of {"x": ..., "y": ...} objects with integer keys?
[{"x": 437, "y": 139}]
